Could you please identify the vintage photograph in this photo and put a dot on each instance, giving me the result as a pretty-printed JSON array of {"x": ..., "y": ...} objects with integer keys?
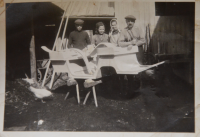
[{"x": 100, "y": 66}]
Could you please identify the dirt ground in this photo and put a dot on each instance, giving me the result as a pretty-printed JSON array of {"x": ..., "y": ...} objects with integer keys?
[{"x": 171, "y": 109}]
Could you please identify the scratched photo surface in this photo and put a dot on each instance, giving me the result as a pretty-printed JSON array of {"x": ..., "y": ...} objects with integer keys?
[{"x": 129, "y": 68}]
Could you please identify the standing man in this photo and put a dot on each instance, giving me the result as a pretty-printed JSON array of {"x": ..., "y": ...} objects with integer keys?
[
  {"x": 129, "y": 37},
  {"x": 132, "y": 36},
  {"x": 78, "y": 39}
]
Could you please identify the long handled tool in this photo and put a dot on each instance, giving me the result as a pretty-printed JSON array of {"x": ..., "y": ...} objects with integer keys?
[{"x": 56, "y": 41}]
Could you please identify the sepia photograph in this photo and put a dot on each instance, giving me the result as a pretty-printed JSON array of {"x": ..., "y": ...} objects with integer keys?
[{"x": 100, "y": 66}]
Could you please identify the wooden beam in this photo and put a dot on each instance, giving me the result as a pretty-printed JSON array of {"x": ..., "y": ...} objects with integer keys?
[
  {"x": 33, "y": 58},
  {"x": 73, "y": 17}
]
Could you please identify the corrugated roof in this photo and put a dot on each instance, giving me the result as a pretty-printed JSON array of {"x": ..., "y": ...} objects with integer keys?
[{"x": 87, "y": 9}]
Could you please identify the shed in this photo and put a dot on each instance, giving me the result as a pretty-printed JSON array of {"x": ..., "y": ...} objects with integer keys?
[{"x": 169, "y": 34}]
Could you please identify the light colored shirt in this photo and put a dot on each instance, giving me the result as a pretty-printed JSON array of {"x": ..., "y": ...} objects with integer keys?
[
  {"x": 113, "y": 37},
  {"x": 134, "y": 33}
]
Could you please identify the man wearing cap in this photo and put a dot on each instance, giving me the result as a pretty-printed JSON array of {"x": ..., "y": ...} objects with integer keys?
[
  {"x": 78, "y": 39},
  {"x": 132, "y": 36}
]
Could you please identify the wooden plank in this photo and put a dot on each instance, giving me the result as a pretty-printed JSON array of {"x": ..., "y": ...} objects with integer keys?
[
  {"x": 74, "y": 11},
  {"x": 141, "y": 15},
  {"x": 88, "y": 9},
  {"x": 66, "y": 5},
  {"x": 152, "y": 14},
  {"x": 124, "y": 13},
  {"x": 105, "y": 9},
  {"x": 111, "y": 9},
  {"x": 91, "y": 9},
  {"x": 68, "y": 10},
  {"x": 118, "y": 13},
  {"x": 156, "y": 39},
  {"x": 167, "y": 31},
  {"x": 33, "y": 58},
  {"x": 172, "y": 45},
  {"x": 83, "y": 9},
  {"x": 97, "y": 7}
]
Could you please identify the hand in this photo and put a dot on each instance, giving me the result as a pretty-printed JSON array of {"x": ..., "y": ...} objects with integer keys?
[
  {"x": 133, "y": 41},
  {"x": 129, "y": 47}
]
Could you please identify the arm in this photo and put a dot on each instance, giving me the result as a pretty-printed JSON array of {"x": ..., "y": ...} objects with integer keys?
[
  {"x": 136, "y": 42},
  {"x": 124, "y": 44}
]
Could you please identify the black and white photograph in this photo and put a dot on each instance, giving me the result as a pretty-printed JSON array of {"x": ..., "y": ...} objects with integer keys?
[{"x": 109, "y": 66}]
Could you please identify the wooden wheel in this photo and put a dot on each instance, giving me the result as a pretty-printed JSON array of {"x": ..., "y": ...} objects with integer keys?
[
  {"x": 41, "y": 72},
  {"x": 49, "y": 74},
  {"x": 39, "y": 76}
]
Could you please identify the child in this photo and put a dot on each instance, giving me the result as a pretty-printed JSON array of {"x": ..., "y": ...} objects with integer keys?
[{"x": 100, "y": 35}]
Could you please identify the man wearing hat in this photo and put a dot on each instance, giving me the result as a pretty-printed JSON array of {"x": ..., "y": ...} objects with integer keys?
[
  {"x": 131, "y": 36},
  {"x": 78, "y": 39}
]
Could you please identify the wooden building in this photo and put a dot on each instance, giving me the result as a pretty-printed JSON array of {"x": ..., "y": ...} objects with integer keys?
[
  {"x": 169, "y": 35},
  {"x": 168, "y": 26}
]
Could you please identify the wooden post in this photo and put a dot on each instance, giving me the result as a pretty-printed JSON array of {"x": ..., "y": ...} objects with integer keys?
[
  {"x": 33, "y": 58},
  {"x": 77, "y": 91},
  {"x": 86, "y": 98},
  {"x": 95, "y": 98}
]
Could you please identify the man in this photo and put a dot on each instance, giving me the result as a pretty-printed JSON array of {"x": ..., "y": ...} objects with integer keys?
[
  {"x": 132, "y": 36},
  {"x": 78, "y": 39},
  {"x": 129, "y": 37}
]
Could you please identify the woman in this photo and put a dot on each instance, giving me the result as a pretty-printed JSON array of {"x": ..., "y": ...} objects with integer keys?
[
  {"x": 114, "y": 32},
  {"x": 100, "y": 35}
]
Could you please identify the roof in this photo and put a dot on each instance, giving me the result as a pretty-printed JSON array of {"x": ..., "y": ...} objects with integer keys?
[{"x": 87, "y": 9}]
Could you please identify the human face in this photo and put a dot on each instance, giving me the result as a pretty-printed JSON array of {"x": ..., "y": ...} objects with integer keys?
[
  {"x": 101, "y": 29},
  {"x": 79, "y": 27},
  {"x": 114, "y": 25},
  {"x": 130, "y": 23}
]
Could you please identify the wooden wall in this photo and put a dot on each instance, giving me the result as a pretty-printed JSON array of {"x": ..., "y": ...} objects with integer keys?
[{"x": 174, "y": 34}]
